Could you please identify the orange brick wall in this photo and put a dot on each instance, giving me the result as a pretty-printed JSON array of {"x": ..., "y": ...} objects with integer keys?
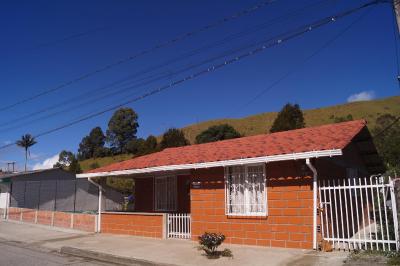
[
  {"x": 83, "y": 222},
  {"x": 28, "y": 215},
  {"x": 289, "y": 220},
  {"x": 14, "y": 214},
  {"x": 62, "y": 219},
  {"x": 133, "y": 224},
  {"x": 44, "y": 217}
]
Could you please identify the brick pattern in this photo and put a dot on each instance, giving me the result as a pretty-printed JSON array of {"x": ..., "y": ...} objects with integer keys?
[
  {"x": 44, "y": 217},
  {"x": 83, "y": 222},
  {"x": 28, "y": 215},
  {"x": 62, "y": 219},
  {"x": 133, "y": 224},
  {"x": 14, "y": 214},
  {"x": 289, "y": 221}
]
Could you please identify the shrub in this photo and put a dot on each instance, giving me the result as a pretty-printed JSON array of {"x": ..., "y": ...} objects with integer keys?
[{"x": 209, "y": 242}]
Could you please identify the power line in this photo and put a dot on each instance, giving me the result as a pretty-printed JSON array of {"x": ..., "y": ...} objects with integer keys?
[
  {"x": 293, "y": 34},
  {"x": 87, "y": 94},
  {"x": 143, "y": 52},
  {"x": 387, "y": 128},
  {"x": 69, "y": 37},
  {"x": 302, "y": 63}
]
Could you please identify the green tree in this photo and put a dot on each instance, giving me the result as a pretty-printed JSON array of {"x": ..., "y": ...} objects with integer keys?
[
  {"x": 142, "y": 147},
  {"x": 26, "y": 142},
  {"x": 290, "y": 117},
  {"x": 150, "y": 145},
  {"x": 216, "y": 133},
  {"x": 122, "y": 128},
  {"x": 173, "y": 137},
  {"x": 387, "y": 140},
  {"x": 135, "y": 146},
  {"x": 92, "y": 145},
  {"x": 68, "y": 161}
]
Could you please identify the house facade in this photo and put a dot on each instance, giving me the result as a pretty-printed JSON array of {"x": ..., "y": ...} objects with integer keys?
[{"x": 259, "y": 190}]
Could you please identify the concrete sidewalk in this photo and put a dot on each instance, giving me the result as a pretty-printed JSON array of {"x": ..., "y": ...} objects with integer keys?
[{"x": 145, "y": 251}]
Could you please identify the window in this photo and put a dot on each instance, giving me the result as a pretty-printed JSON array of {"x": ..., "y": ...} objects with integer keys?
[
  {"x": 165, "y": 193},
  {"x": 245, "y": 190}
]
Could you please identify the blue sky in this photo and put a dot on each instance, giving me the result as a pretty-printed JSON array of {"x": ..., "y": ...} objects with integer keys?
[{"x": 47, "y": 43}]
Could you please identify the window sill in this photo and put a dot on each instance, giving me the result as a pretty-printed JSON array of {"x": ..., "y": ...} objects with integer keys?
[{"x": 256, "y": 215}]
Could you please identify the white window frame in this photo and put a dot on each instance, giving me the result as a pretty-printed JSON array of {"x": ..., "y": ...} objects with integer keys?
[
  {"x": 246, "y": 211},
  {"x": 168, "y": 192}
]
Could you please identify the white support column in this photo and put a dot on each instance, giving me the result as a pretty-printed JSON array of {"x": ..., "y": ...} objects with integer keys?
[
  {"x": 99, "y": 203},
  {"x": 8, "y": 200},
  {"x": 315, "y": 204}
]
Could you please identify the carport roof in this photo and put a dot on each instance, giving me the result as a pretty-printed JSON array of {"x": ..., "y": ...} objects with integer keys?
[{"x": 17, "y": 174}]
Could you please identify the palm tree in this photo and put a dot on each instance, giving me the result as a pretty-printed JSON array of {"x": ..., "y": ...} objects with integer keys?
[{"x": 26, "y": 142}]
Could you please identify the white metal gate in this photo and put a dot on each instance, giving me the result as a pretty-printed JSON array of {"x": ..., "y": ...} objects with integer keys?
[
  {"x": 179, "y": 225},
  {"x": 359, "y": 213}
]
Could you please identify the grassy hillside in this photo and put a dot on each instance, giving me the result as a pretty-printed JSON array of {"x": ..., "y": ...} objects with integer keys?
[
  {"x": 89, "y": 163},
  {"x": 261, "y": 123}
]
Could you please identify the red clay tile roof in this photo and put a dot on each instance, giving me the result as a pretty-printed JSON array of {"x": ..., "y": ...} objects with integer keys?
[{"x": 326, "y": 137}]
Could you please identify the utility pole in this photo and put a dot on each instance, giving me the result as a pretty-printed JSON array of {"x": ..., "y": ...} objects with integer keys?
[{"x": 396, "y": 7}]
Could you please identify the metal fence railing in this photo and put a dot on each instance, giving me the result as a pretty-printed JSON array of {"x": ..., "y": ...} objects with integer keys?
[
  {"x": 179, "y": 225},
  {"x": 359, "y": 213},
  {"x": 62, "y": 195}
]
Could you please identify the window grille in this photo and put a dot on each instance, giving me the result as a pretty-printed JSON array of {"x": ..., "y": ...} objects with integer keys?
[
  {"x": 245, "y": 188},
  {"x": 165, "y": 193}
]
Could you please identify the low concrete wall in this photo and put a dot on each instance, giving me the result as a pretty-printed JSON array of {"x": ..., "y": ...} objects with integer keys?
[
  {"x": 137, "y": 224},
  {"x": 76, "y": 221}
]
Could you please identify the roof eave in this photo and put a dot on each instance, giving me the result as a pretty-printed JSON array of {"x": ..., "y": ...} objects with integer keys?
[{"x": 263, "y": 159}]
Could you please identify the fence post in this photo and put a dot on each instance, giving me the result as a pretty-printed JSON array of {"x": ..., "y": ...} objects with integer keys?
[
  {"x": 55, "y": 197},
  {"x": 165, "y": 226},
  {"x": 395, "y": 191},
  {"x": 75, "y": 181},
  {"x": 52, "y": 218},
  {"x": 40, "y": 187},
  {"x": 8, "y": 199},
  {"x": 24, "y": 194}
]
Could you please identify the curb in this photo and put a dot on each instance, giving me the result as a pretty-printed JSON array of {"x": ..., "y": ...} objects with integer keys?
[{"x": 104, "y": 257}]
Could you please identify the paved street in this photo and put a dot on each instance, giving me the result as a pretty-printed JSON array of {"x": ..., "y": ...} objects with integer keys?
[{"x": 13, "y": 254}]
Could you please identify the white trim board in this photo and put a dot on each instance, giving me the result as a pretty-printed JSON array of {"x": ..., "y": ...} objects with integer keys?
[{"x": 264, "y": 159}]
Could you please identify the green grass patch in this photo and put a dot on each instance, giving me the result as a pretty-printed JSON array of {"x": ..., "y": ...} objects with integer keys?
[{"x": 99, "y": 162}]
